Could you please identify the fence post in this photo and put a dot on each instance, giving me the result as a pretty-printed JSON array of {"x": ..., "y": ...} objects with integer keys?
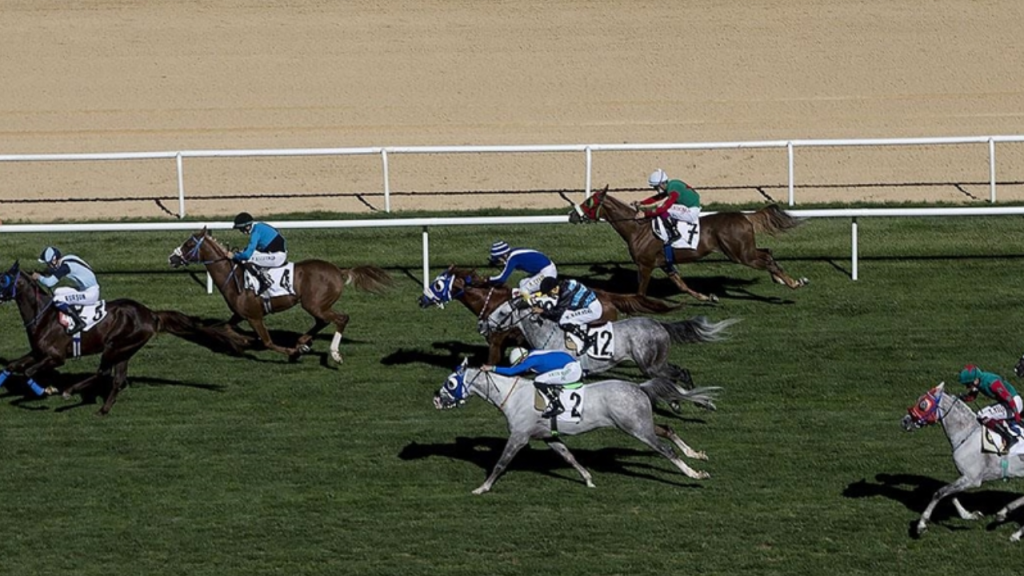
[
  {"x": 853, "y": 250},
  {"x": 789, "y": 151},
  {"x": 992, "y": 169},
  {"x": 387, "y": 182},
  {"x": 181, "y": 187},
  {"x": 426, "y": 259},
  {"x": 209, "y": 283},
  {"x": 590, "y": 167}
]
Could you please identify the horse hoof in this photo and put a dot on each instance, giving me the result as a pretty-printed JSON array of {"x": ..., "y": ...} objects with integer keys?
[
  {"x": 701, "y": 456},
  {"x": 304, "y": 349},
  {"x": 703, "y": 475},
  {"x": 337, "y": 357},
  {"x": 1000, "y": 517},
  {"x": 66, "y": 396},
  {"x": 50, "y": 391},
  {"x": 804, "y": 281}
]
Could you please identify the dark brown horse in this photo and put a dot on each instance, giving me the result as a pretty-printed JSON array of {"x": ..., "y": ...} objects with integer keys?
[
  {"x": 127, "y": 327},
  {"x": 731, "y": 233},
  {"x": 317, "y": 284},
  {"x": 482, "y": 298}
]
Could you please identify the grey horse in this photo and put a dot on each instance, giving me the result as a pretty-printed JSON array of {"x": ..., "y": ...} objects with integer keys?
[
  {"x": 965, "y": 435},
  {"x": 644, "y": 341},
  {"x": 608, "y": 403}
]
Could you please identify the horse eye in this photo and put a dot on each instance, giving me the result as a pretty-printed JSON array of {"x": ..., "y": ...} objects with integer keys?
[
  {"x": 452, "y": 384},
  {"x": 923, "y": 405},
  {"x": 439, "y": 286}
]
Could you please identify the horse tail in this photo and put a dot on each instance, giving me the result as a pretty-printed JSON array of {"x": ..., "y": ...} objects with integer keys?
[
  {"x": 698, "y": 329},
  {"x": 639, "y": 304},
  {"x": 369, "y": 278},
  {"x": 219, "y": 338},
  {"x": 772, "y": 219},
  {"x": 668, "y": 391}
]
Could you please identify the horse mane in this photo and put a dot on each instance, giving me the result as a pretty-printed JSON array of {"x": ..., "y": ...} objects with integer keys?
[
  {"x": 213, "y": 241},
  {"x": 475, "y": 280}
]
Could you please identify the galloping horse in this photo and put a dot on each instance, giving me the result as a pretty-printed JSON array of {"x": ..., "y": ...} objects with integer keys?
[
  {"x": 965, "y": 435},
  {"x": 127, "y": 327},
  {"x": 317, "y": 283},
  {"x": 731, "y": 233},
  {"x": 617, "y": 403},
  {"x": 482, "y": 298}
]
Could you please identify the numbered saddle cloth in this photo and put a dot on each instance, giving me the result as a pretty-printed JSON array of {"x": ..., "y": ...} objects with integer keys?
[
  {"x": 994, "y": 443},
  {"x": 571, "y": 396},
  {"x": 689, "y": 234},
  {"x": 602, "y": 336},
  {"x": 282, "y": 281},
  {"x": 91, "y": 314}
]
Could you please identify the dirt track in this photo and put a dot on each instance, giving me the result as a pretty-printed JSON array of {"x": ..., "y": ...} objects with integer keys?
[{"x": 160, "y": 75}]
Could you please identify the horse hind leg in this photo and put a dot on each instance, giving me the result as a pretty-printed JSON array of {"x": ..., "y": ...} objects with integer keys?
[
  {"x": 648, "y": 435},
  {"x": 670, "y": 434},
  {"x": 563, "y": 451},
  {"x": 119, "y": 379}
]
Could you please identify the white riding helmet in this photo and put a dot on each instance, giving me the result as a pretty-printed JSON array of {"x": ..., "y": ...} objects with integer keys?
[
  {"x": 516, "y": 355},
  {"x": 657, "y": 178}
]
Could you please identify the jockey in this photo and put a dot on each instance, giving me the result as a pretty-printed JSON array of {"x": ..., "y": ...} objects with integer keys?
[
  {"x": 84, "y": 290},
  {"x": 996, "y": 416},
  {"x": 266, "y": 249},
  {"x": 674, "y": 200},
  {"x": 536, "y": 265},
  {"x": 554, "y": 369},
  {"x": 571, "y": 304}
]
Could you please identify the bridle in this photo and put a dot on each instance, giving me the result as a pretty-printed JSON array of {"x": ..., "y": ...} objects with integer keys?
[{"x": 36, "y": 293}]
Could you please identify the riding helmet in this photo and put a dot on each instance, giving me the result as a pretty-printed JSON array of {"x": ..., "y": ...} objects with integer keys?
[
  {"x": 48, "y": 254},
  {"x": 242, "y": 220},
  {"x": 548, "y": 284},
  {"x": 657, "y": 177}
]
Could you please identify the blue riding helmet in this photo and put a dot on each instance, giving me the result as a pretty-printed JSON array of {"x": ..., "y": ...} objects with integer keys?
[
  {"x": 48, "y": 254},
  {"x": 499, "y": 249}
]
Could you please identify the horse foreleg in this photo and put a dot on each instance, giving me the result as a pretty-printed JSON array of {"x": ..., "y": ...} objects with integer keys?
[
  {"x": 304, "y": 340},
  {"x": 563, "y": 451},
  {"x": 964, "y": 513},
  {"x": 681, "y": 284},
  {"x": 495, "y": 342},
  {"x": 644, "y": 279},
  {"x": 670, "y": 434},
  {"x": 79, "y": 386},
  {"x": 264, "y": 334},
  {"x": 1005, "y": 511},
  {"x": 118, "y": 379},
  {"x": 961, "y": 484},
  {"x": 512, "y": 447}
]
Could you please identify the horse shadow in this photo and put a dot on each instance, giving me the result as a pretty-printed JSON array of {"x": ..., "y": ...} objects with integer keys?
[
  {"x": 615, "y": 278},
  {"x": 484, "y": 453},
  {"x": 26, "y": 400},
  {"x": 451, "y": 356},
  {"x": 915, "y": 492}
]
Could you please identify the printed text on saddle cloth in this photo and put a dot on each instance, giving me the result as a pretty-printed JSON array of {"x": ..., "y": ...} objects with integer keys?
[
  {"x": 282, "y": 281},
  {"x": 91, "y": 314},
  {"x": 689, "y": 232}
]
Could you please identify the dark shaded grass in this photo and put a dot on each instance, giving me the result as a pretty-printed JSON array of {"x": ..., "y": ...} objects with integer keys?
[{"x": 210, "y": 464}]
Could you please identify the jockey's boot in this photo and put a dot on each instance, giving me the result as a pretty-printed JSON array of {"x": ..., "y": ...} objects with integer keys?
[
  {"x": 671, "y": 229},
  {"x": 261, "y": 276},
  {"x": 76, "y": 319},
  {"x": 1004, "y": 430},
  {"x": 554, "y": 404},
  {"x": 581, "y": 333}
]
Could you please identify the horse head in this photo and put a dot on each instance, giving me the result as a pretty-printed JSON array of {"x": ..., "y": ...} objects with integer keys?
[
  {"x": 455, "y": 391},
  {"x": 9, "y": 283},
  {"x": 590, "y": 209},
  {"x": 925, "y": 411},
  {"x": 189, "y": 251},
  {"x": 441, "y": 291}
]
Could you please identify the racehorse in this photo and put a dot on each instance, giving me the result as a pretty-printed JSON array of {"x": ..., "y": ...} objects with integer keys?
[
  {"x": 483, "y": 297},
  {"x": 965, "y": 435},
  {"x": 126, "y": 328},
  {"x": 645, "y": 341},
  {"x": 731, "y": 233},
  {"x": 617, "y": 403},
  {"x": 317, "y": 285}
]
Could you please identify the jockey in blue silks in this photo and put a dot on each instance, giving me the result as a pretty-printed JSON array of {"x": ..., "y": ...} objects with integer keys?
[
  {"x": 536, "y": 265},
  {"x": 84, "y": 290},
  {"x": 554, "y": 369},
  {"x": 266, "y": 249}
]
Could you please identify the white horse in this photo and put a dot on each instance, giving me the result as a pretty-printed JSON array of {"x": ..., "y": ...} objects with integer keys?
[
  {"x": 965, "y": 435},
  {"x": 617, "y": 403}
]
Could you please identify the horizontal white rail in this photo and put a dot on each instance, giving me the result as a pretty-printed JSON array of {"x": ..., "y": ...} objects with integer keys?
[
  {"x": 587, "y": 149},
  {"x": 426, "y": 223}
]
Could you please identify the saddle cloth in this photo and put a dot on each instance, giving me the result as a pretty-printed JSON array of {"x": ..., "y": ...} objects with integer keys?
[
  {"x": 571, "y": 396},
  {"x": 993, "y": 443},
  {"x": 604, "y": 342},
  {"x": 689, "y": 233},
  {"x": 92, "y": 314},
  {"x": 282, "y": 281}
]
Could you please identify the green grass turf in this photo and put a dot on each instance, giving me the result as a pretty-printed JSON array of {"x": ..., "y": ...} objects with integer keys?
[{"x": 217, "y": 465}]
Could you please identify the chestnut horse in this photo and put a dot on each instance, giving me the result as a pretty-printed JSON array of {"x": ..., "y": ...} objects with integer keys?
[
  {"x": 317, "y": 283},
  {"x": 731, "y": 233},
  {"x": 126, "y": 328},
  {"x": 482, "y": 298}
]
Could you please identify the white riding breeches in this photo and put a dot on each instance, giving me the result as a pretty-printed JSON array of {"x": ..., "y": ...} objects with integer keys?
[
  {"x": 583, "y": 316},
  {"x": 269, "y": 259},
  {"x": 68, "y": 295},
  {"x": 998, "y": 411},
  {"x": 680, "y": 212},
  {"x": 532, "y": 284},
  {"x": 568, "y": 374}
]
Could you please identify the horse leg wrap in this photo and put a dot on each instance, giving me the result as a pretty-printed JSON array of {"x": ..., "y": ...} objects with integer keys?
[
  {"x": 36, "y": 388},
  {"x": 4, "y": 376}
]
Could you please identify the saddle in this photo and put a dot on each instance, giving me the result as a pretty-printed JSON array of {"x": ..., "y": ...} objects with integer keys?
[{"x": 993, "y": 442}]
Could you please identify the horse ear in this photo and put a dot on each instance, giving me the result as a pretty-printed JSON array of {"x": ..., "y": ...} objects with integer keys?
[
  {"x": 465, "y": 362},
  {"x": 450, "y": 267}
]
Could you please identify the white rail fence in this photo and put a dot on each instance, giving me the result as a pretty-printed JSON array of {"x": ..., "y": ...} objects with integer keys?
[
  {"x": 587, "y": 150},
  {"x": 426, "y": 223}
]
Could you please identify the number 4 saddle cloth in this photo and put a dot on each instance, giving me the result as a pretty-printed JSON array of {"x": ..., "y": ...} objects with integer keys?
[{"x": 282, "y": 281}]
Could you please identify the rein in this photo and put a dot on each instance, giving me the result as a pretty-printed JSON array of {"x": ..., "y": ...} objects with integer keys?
[
  {"x": 483, "y": 309},
  {"x": 491, "y": 384}
]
